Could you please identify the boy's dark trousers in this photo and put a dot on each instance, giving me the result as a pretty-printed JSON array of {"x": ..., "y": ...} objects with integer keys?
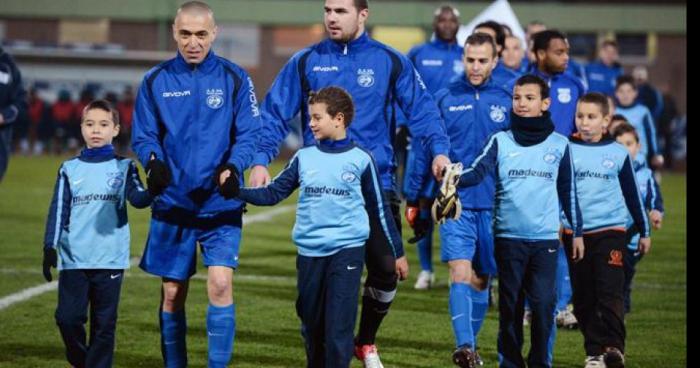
[
  {"x": 525, "y": 268},
  {"x": 598, "y": 281},
  {"x": 327, "y": 305},
  {"x": 632, "y": 257},
  {"x": 100, "y": 290}
]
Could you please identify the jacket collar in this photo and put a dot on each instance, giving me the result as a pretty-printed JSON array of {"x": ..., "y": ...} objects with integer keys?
[{"x": 205, "y": 66}]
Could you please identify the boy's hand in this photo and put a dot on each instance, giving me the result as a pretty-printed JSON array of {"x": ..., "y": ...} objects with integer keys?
[
  {"x": 402, "y": 268},
  {"x": 644, "y": 245},
  {"x": 259, "y": 176},
  {"x": 656, "y": 218},
  {"x": 50, "y": 259},
  {"x": 227, "y": 180},
  {"x": 157, "y": 176},
  {"x": 577, "y": 249}
]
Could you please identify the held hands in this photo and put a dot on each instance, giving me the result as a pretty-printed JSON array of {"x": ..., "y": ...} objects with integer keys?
[
  {"x": 227, "y": 180},
  {"x": 259, "y": 176},
  {"x": 157, "y": 176},
  {"x": 439, "y": 163},
  {"x": 50, "y": 260}
]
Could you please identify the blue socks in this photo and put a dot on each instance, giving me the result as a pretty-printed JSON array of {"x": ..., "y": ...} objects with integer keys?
[
  {"x": 425, "y": 245},
  {"x": 461, "y": 312},
  {"x": 221, "y": 330},
  {"x": 173, "y": 332},
  {"x": 480, "y": 305}
]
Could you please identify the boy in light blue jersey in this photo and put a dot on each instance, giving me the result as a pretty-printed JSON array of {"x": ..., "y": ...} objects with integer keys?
[
  {"x": 639, "y": 116},
  {"x": 607, "y": 191},
  {"x": 87, "y": 227},
  {"x": 534, "y": 181},
  {"x": 626, "y": 135},
  {"x": 340, "y": 196}
]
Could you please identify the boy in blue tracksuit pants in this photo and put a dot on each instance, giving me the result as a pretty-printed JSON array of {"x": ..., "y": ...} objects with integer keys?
[
  {"x": 533, "y": 165},
  {"x": 473, "y": 107},
  {"x": 87, "y": 230},
  {"x": 339, "y": 196},
  {"x": 438, "y": 62},
  {"x": 379, "y": 79},
  {"x": 626, "y": 135},
  {"x": 195, "y": 128},
  {"x": 607, "y": 190}
]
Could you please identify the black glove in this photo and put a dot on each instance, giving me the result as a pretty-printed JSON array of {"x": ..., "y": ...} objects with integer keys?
[
  {"x": 420, "y": 229},
  {"x": 230, "y": 188},
  {"x": 50, "y": 259},
  {"x": 157, "y": 176}
]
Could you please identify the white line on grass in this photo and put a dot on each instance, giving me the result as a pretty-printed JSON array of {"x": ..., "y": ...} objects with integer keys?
[{"x": 31, "y": 292}]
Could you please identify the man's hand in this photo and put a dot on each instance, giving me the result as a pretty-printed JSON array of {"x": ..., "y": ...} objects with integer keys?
[
  {"x": 402, "y": 268},
  {"x": 439, "y": 163},
  {"x": 656, "y": 217},
  {"x": 259, "y": 176},
  {"x": 2, "y": 119},
  {"x": 50, "y": 260},
  {"x": 644, "y": 245},
  {"x": 577, "y": 249},
  {"x": 227, "y": 181},
  {"x": 411, "y": 213},
  {"x": 157, "y": 176}
]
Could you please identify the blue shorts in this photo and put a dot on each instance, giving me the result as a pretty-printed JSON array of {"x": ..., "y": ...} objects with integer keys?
[
  {"x": 171, "y": 248},
  {"x": 470, "y": 238}
]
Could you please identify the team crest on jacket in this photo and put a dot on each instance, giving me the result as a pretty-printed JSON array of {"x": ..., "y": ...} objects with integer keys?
[
  {"x": 498, "y": 113},
  {"x": 350, "y": 173},
  {"x": 215, "y": 98},
  {"x": 115, "y": 180},
  {"x": 365, "y": 77},
  {"x": 552, "y": 156},
  {"x": 608, "y": 163},
  {"x": 564, "y": 95}
]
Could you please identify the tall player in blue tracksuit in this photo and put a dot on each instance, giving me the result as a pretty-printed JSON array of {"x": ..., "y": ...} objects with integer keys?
[
  {"x": 438, "y": 62},
  {"x": 379, "y": 79},
  {"x": 501, "y": 74},
  {"x": 195, "y": 128},
  {"x": 533, "y": 166},
  {"x": 473, "y": 107},
  {"x": 607, "y": 190},
  {"x": 603, "y": 73},
  {"x": 626, "y": 135},
  {"x": 339, "y": 195},
  {"x": 87, "y": 229}
]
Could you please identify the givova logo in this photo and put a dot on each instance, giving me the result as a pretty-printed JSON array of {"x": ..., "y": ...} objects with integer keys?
[{"x": 253, "y": 99}]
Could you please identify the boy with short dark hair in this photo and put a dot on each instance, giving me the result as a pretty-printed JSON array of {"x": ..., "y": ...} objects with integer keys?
[
  {"x": 639, "y": 116},
  {"x": 340, "y": 195},
  {"x": 87, "y": 227},
  {"x": 607, "y": 192}
]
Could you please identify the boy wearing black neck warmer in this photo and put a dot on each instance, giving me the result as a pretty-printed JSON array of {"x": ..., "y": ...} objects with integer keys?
[{"x": 535, "y": 182}]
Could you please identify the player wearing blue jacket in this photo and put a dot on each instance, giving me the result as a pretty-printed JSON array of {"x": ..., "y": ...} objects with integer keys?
[
  {"x": 532, "y": 165},
  {"x": 195, "y": 128},
  {"x": 626, "y": 135},
  {"x": 473, "y": 107},
  {"x": 13, "y": 104},
  {"x": 602, "y": 73},
  {"x": 552, "y": 51},
  {"x": 438, "y": 62},
  {"x": 379, "y": 79},
  {"x": 340, "y": 195},
  {"x": 87, "y": 237},
  {"x": 607, "y": 192},
  {"x": 500, "y": 74}
]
